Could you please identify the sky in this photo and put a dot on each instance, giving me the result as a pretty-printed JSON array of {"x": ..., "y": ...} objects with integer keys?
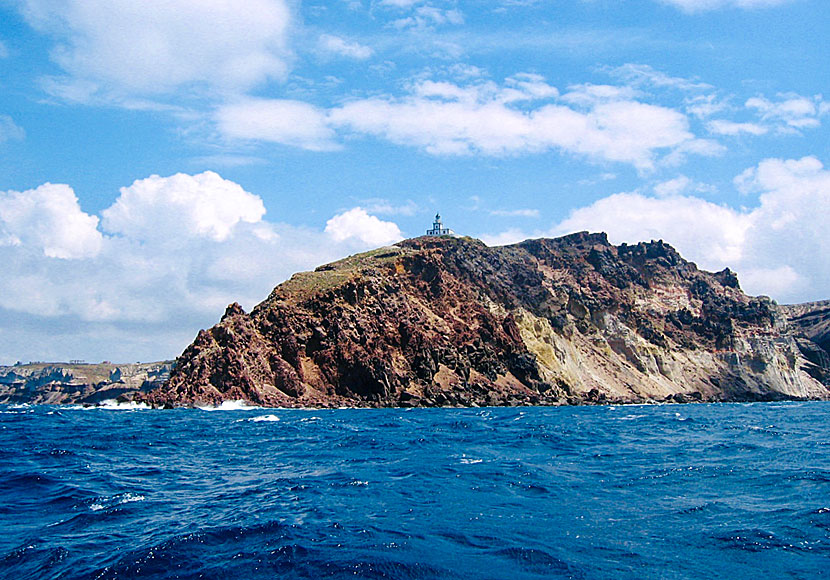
[{"x": 162, "y": 159}]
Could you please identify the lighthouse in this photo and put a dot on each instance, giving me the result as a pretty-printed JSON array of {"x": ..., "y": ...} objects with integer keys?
[{"x": 438, "y": 228}]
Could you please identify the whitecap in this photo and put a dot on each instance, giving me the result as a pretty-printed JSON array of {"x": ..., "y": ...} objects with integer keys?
[
  {"x": 116, "y": 500},
  {"x": 263, "y": 418},
  {"x": 238, "y": 405},
  {"x": 469, "y": 460},
  {"x": 631, "y": 417}
]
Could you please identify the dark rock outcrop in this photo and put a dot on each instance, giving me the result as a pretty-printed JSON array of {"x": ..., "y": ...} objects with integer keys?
[{"x": 449, "y": 321}]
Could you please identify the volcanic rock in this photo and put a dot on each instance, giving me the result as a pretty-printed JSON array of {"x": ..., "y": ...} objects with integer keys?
[{"x": 444, "y": 321}]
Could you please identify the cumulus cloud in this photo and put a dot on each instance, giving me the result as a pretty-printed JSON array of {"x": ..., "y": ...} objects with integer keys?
[
  {"x": 161, "y": 208},
  {"x": 356, "y": 224},
  {"x": 340, "y": 46},
  {"x": 510, "y": 236},
  {"x": 154, "y": 46},
  {"x": 165, "y": 259},
  {"x": 780, "y": 247},
  {"x": 699, "y": 228},
  {"x": 48, "y": 220}
]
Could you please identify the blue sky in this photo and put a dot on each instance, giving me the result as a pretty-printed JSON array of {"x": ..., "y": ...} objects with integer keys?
[{"x": 159, "y": 160}]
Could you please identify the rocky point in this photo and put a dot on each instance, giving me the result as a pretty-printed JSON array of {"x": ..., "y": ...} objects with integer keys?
[{"x": 447, "y": 321}]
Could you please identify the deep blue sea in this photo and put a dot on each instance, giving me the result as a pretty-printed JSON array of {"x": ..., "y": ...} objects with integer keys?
[{"x": 673, "y": 491}]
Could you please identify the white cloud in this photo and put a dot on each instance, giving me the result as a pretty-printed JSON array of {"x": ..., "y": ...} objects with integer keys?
[
  {"x": 704, "y": 106},
  {"x": 702, "y": 231},
  {"x": 704, "y": 5},
  {"x": 155, "y": 46},
  {"x": 342, "y": 47},
  {"x": 427, "y": 16},
  {"x": 779, "y": 248},
  {"x": 282, "y": 121},
  {"x": 672, "y": 187},
  {"x": 50, "y": 221},
  {"x": 643, "y": 74},
  {"x": 520, "y": 116},
  {"x": 790, "y": 112},
  {"x": 507, "y": 237},
  {"x": 589, "y": 94},
  {"x": 358, "y": 225},
  {"x": 443, "y": 118},
  {"x": 169, "y": 254},
  {"x": 724, "y": 127},
  {"x": 169, "y": 208}
]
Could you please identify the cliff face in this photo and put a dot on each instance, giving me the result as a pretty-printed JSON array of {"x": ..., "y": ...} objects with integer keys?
[
  {"x": 810, "y": 323},
  {"x": 450, "y": 321},
  {"x": 62, "y": 383}
]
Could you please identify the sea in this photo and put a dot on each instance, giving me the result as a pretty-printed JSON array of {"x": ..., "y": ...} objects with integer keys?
[{"x": 634, "y": 492}]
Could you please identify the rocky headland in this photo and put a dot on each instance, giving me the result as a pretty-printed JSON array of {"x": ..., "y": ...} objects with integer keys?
[
  {"x": 445, "y": 321},
  {"x": 84, "y": 383}
]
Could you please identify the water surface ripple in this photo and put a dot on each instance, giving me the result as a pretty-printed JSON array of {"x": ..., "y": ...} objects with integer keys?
[{"x": 694, "y": 491}]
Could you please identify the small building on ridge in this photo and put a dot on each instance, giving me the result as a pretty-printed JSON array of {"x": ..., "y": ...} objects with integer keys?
[{"x": 438, "y": 228}]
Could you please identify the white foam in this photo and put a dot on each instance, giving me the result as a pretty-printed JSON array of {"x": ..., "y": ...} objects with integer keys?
[
  {"x": 116, "y": 500},
  {"x": 469, "y": 460},
  {"x": 262, "y": 419},
  {"x": 238, "y": 405}
]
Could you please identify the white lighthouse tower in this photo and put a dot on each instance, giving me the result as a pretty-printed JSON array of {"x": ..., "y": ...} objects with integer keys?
[{"x": 438, "y": 228}]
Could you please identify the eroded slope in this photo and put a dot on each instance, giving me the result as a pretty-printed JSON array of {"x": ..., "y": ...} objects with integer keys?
[{"x": 450, "y": 321}]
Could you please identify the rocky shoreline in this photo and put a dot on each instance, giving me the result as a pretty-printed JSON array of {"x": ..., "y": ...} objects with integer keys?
[
  {"x": 446, "y": 321},
  {"x": 60, "y": 383}
]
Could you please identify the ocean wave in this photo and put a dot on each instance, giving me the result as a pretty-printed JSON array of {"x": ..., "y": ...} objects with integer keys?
[
  {"x": 106, "y": 503},
  {"x": 438, "y": 494},
  {"x": 238, "y": 405},
  {"x": 260, "y": 419}
]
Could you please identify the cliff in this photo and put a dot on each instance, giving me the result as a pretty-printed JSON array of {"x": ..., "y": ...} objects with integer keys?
[
  {"x": 810, "y": 324},
  {"x": 63, "y": 383},
  {"x": 449, "y": 321}
]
